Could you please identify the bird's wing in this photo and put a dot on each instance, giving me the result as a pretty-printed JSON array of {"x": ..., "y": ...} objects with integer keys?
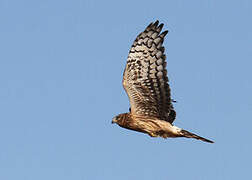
[{"x": 145, "y": 76}]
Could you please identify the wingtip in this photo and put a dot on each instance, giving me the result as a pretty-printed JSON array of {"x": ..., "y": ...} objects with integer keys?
[
  {"x": 163, "y": 34},
  {"x": 156, "y": 23},
  {"x": 149, "y": 25},
  {"x": 161, "y": 26}
]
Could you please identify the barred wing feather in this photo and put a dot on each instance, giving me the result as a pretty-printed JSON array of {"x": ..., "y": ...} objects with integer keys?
[{"x": 145, "y": 76}]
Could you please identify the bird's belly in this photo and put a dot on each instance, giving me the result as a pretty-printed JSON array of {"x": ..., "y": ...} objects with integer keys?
[{"x": 158, "y": 128}]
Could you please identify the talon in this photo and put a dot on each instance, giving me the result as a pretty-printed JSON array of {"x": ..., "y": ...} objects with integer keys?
[{"x": 153, "y": 135}]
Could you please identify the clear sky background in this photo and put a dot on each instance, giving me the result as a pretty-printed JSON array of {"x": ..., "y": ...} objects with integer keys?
[{"x": 61, "y": 65}]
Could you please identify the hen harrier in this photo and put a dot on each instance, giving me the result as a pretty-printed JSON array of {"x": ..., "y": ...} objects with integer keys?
[{"x": 146, "y": 83}]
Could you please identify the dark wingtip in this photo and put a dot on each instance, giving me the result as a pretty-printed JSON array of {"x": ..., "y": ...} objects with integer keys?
[
  {"x": 156, "y": 23},
  {"x": 149, "y": 25},
  {"x": 163, "y": 34},
  {"x": 160, "y": 26}
]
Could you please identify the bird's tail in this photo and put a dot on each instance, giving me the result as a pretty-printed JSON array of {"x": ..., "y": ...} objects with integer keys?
[{"x": 188, "y": 134}]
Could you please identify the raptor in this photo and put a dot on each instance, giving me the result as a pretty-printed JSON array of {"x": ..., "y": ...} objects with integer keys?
[{"x": 146, "y": 84}]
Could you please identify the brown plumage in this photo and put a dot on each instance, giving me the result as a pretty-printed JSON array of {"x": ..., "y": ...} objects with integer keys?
[{"x": 146, "y": 84}]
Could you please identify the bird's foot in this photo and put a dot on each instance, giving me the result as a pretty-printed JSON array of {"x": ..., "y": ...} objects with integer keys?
[{"x": 152, "y": 134}]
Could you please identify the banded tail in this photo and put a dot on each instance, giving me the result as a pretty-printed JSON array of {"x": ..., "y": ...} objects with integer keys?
[{"x": 188, "y": 134}]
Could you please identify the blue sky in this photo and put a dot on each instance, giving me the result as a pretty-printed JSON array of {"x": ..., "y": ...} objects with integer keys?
[{"x": 61, "y": 66}]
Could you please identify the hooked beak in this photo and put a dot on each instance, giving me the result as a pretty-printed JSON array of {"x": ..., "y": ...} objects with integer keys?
[{"x": 113, "y": 120}]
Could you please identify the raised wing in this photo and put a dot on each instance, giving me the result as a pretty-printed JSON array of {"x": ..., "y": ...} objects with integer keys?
[{"x": 145, "y": 76}]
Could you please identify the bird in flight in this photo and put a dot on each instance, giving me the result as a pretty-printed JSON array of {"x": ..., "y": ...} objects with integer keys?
[{"x": 146, "y": 84}]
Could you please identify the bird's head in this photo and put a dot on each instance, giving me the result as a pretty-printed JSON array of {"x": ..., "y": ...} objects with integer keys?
[{"x": 120, "y": 119}]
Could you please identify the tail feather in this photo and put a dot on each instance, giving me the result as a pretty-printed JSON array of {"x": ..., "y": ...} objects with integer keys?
[{"x": 188, "y": 134}]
